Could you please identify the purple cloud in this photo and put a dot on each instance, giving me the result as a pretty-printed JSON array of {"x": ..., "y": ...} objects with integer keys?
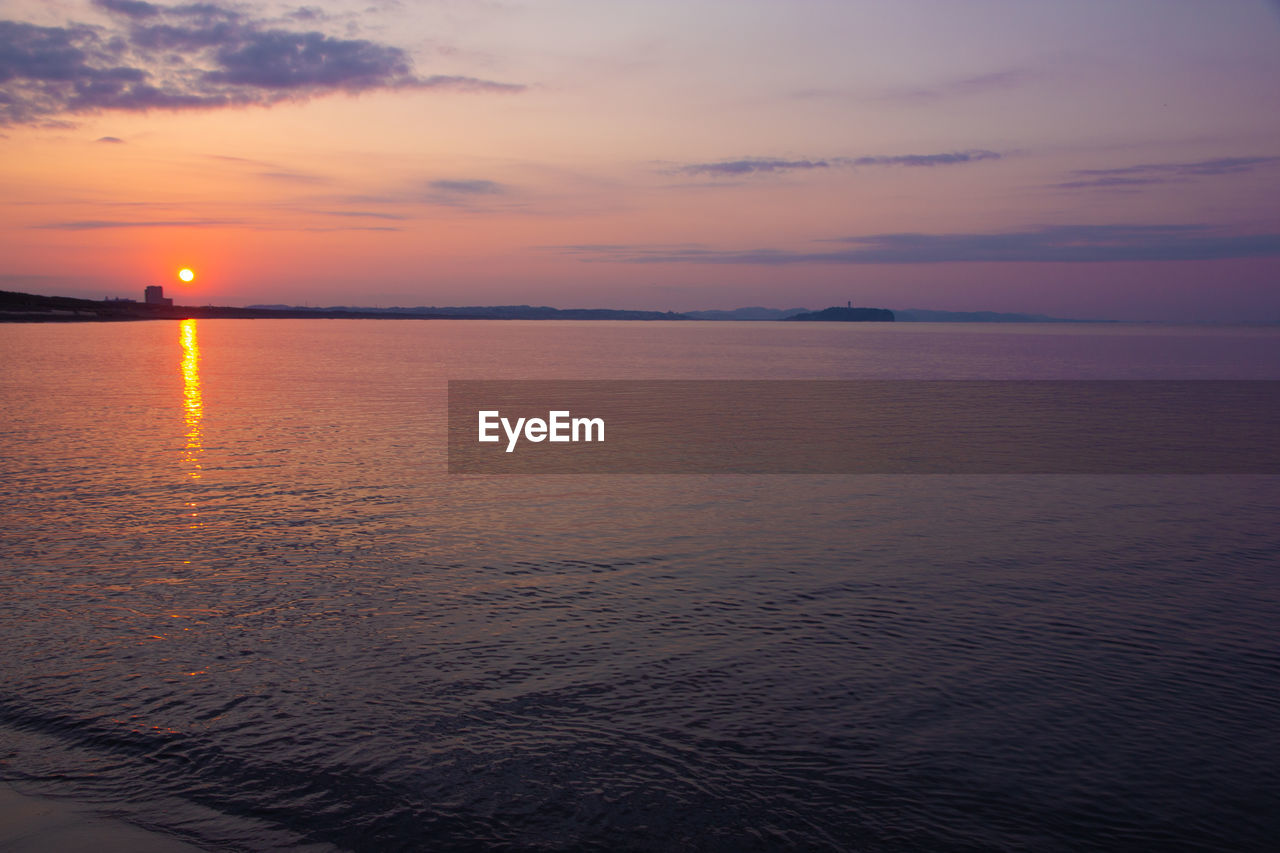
[
  {"x": 976, "y": 84},
  {"x": 293, "y": 176},
  {"x": 97, "y": 224},
  {"x": 1162, "y": 173},
  {"x": 964, "y": 86},
  {"x": 1052, "y": 244},
  {"x": 129, "y": 8},
  {"x": 102, "y": 224},
  {"x": 365, "y": 214},
  {"x": 948, "y": 159},
  {"x": 750, "y": 166},
  {"x": 277, "y": 59},
  {"x": 467, "y": 187},
  {"x": 192, "y": 56},
  {"x": 769, "y": 165}
]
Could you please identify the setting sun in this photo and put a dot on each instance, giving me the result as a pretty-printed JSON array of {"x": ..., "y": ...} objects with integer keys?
[{"x": 186, "y": 274}]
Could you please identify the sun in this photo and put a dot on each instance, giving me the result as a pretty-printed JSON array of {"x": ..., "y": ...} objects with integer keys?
[{"x": 186, "y": 274}]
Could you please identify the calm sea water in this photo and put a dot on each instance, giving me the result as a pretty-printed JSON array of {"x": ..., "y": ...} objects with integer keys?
[{"x": 242, "y": 602}]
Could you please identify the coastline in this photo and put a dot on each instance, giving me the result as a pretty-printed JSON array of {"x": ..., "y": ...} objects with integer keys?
[{"x": 30, "y": 308}]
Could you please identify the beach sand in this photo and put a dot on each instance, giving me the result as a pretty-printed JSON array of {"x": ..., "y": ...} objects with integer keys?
[{"x": 38, "y": 824}]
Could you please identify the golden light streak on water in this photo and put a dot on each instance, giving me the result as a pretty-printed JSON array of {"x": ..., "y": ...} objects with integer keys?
[{"x": 192, "y": 402}]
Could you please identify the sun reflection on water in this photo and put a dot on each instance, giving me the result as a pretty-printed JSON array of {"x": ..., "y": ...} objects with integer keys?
[{"x": 192, "y": 402}]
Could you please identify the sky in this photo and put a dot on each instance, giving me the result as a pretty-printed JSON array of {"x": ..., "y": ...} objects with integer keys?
[{"x": 1111, "y": 159}]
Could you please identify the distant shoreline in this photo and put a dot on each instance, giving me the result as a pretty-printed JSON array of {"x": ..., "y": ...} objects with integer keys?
[
  {"x": 31, "y": 308},
  {"x": 16, "y": 307}
]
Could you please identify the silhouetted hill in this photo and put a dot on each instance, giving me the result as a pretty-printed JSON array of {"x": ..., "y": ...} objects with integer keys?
[{"x": 847, "y": 315}]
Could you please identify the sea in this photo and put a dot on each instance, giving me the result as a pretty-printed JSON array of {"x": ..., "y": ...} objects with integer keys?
[{"x": 243, "y": 603}]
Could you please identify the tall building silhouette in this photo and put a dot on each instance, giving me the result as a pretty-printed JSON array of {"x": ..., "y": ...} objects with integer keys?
[{"x": 154, "y": 295}]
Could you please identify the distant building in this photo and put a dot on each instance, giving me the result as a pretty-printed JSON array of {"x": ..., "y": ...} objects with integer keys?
[
  {"x": 120, "y": 299},
  {"x": 155, "y": 296}
]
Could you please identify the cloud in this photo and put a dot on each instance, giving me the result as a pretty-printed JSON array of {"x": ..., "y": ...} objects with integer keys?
[
  {"x": 283, "y": 60},
  {"x": 625, "y": 251},
  {"x": 1162, "y": 173},
  {"x": 949, "y": 159},
  {"x": 369, "y": 214},
  {"x": 192, "y": 56},
  {"x": 466, "y": 84},
  {"x": 307, "y": 13},
  {"x": 101, "y": 224},
  {"x": 115, "y": 140},
  {"x": 467, "y": 187},
  {"x": 270, "y": 170},
  {"x": 353, "y": 228},
  {"x": 470, "y": 193},
  {"x": 1051, "y": 244},
  {"x": 750, "y": 166},
  {"x": 977, "y": 84},
  {"x": 293, "y": 176},
  {"x": 96, "y": 224},
  {"x": 770, "y": 165},
  {"x": 129, "y": 8},
  {"x": 1107, "y": 183}
]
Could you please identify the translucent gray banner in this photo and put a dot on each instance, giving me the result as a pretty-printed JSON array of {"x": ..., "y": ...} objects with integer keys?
[{"x": 864, "y": 427}]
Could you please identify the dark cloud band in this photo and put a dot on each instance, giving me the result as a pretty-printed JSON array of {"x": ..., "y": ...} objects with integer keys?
[
  {"x": 750, "y": 166},
  {"x": 766, "y": 165},
  {"x": 192, "y": 56},
  {"x": 1146, "y": 174},
  {"x": 467, "y": 186},
  {"x": 1057, "y": 244}
]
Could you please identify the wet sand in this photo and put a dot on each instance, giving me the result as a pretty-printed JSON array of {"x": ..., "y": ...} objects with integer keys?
[{"x": 39, "y": 824}]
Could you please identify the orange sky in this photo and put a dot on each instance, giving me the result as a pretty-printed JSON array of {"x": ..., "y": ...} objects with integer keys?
[{"x": 1090, "y": 160}]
